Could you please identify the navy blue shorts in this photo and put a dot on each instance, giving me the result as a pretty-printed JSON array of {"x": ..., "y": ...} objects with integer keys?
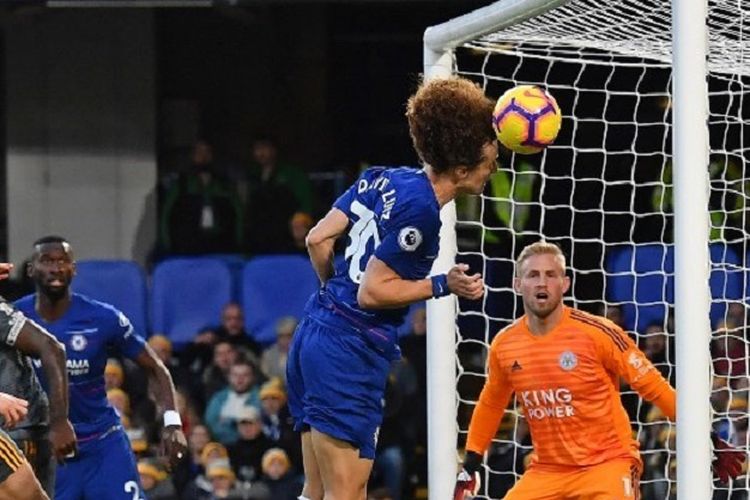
[
  {"x": 104, "y": 468},
  {"x": 336, "y": 383}
]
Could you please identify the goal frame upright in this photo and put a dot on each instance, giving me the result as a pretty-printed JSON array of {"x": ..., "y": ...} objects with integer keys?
[{"x": 692, "y": 264}]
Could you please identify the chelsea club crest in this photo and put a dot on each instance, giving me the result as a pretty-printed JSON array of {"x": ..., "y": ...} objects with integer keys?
[
  {"x": 568, "y": 361},
  {"x": 78, "y": 342}
]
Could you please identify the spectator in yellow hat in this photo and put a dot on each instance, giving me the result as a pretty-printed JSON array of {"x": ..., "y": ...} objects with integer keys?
[
  {"x": 213, "y": 451},
  {"x": 247, "y": 452},
  {"x": 114, "y": 375},
  {"x": 119, "y": 400},
  {"x": 219, "y": 481},
  {"x": 155, "y": 480},
  {"x": 277, "y": 421},
  {"x": 278, "y": 475}
]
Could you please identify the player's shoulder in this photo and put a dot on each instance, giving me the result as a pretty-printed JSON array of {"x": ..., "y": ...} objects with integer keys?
[
  {"x": 413, "y": 194},
  {"x": 412, "y": 180},
  {"x": 510, "y": 334},
  {"x": 597, "y": 327},
  {"x": 94, "y": 308},
  {"x": 25, "y": 304},
  {"x": 589, "y": 321}
]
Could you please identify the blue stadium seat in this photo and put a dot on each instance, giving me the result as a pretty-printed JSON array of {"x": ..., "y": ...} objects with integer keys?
[
  {"x": 641, "y": 278},
  {"x": 726, "y": 280},
  {"x": 121, "y": 283},
  {"x": 188, "y": 294},
  {"x": 235, "y": 262},
  {"x": 274, "y": 286}
]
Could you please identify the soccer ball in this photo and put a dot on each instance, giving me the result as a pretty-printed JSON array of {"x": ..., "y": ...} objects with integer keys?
[{"x": 526, "y": 119}]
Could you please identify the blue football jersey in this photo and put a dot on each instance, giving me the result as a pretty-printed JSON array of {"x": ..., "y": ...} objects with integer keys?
[
  {"x": 91, "y": 331},
  {"x": 394, "y": 215}
]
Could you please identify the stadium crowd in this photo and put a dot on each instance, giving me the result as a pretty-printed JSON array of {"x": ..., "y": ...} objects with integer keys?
[
  {"x": 232, "y": 390},
  {"x": 233, "y": 404}
]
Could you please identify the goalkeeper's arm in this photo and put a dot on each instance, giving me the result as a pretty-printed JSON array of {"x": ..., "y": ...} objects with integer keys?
[
  {"x": 651, "y": 386},
  {"x": 484, "y": 423}
]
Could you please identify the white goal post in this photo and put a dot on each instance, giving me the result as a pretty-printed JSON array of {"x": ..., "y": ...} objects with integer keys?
[{"x": 687, "y": 56}]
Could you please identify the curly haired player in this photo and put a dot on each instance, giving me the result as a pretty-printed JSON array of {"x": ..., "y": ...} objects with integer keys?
[{"x": 341, "y": 353}]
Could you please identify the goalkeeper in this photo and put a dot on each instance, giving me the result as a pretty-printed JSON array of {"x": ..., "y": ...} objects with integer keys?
[{"x": 563, "y": 366}]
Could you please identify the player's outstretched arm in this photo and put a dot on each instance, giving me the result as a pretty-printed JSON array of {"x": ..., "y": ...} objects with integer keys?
[
  {"x": 12, "y": 409},
  {"x": 621, "y": 355},
  {"x": 382, "y": 287},
  {"x": 485, "y": 420},
  {"x": 35, "y": 342},
  {"x": 173, "y": 440},
  {"x": 321, "y": 240}
]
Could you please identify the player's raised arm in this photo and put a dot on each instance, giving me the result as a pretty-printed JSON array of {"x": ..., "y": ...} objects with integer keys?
[
  {"x": 321, "y": 240},
  {"x": 34, "y": 341}
]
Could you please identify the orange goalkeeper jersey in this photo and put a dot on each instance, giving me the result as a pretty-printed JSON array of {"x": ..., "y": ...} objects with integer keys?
[{"x": 567, "y": 385}]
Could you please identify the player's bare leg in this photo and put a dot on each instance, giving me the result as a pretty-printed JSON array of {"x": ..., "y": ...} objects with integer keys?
[
  {"x": 343, "y": 472},
  {"x": 313, "y": 488},
  {"x": 22, "y": 485}
]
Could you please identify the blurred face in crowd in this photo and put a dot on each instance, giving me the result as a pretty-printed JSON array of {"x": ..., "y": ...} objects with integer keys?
[
  {"x": 284, "y": 339},
  {"x": 216, "y": 454},
  {"x": 299, "y": 225},
  {"x": 147, "y": 481},
  {"x": 162, "y": 349},
  {"x": 221, "y": 485},
  {"x": 181, "y": 401},
  {"x": 224, "y": 356},
  {"x": 199, "y": 437},
  {"x": 276, "y": 468},
  {"x": 419, "y": 322},
  {"x": 727, "y": 341},
  {"x": 52, "y": 269},
  {"x": 233, "y": 320},
  {"x": 272, "y": 405},
  {"x": 113, "y": 376},
  {"x": 736, "y": 313},
  {"x": 119, "y": 401},
  {"x": 249, "y": 428},
  {"x": 205, "y": 337},
  {"x": 241, "y": 377},
  {"x": 264, "y": 153},
  {"x": 202, "y": 153},
  {"x": 655, "y": 341},
  {"x": 614, "y": 314},
  {"x": 541, "y": 281},
  {"x": 720, "y": 394},
  {"x": 284, "y": 334}
]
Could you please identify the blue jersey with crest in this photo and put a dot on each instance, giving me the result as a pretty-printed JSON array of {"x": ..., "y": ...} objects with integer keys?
[
  {"x": 393, "y": 215},
  {"x": 91, "y": 331}
]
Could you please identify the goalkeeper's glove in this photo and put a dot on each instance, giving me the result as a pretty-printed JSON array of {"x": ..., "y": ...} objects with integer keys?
[
  {"x": 468, "y": 482},
  {"x": 728, "y": 461}
]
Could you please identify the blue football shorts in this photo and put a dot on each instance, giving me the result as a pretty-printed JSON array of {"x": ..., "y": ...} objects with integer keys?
[
  {"x": 103, "y": 468},
  {"x": 336, "y": 383}
]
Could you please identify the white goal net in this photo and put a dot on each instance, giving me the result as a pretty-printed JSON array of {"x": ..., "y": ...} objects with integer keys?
[{"x": 603, "y": 192}]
